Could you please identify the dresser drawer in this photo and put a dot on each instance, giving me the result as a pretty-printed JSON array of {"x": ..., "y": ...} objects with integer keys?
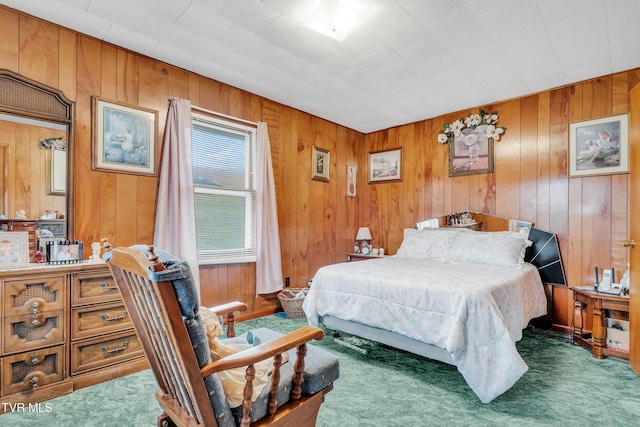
[
  {"x": 99, "y": 319},
  {"x": 92, "y": 288},
  {"x": 30, "y": 370},
  {"x": 99, "y": 352},
  {"x": 34, "y": 295},
  {"x": 31, "y": 331}
]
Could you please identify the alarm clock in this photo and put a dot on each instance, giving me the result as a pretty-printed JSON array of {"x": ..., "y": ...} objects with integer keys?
[{"x": 365, "y": 248}]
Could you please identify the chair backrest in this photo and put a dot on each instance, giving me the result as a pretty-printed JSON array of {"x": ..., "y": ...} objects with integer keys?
[{"x": 158, "y": 319}]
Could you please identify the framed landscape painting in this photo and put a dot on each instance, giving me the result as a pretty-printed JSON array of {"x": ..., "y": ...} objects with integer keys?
[{"x": 385, "y": 165}]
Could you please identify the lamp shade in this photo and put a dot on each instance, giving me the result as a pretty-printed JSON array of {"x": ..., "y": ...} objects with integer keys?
[{"x": 363, "y": 234}]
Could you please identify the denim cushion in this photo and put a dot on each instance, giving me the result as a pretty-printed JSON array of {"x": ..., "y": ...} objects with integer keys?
[
  {"x": 321, "y": 369},
  {"x": 178, "y": 272}
]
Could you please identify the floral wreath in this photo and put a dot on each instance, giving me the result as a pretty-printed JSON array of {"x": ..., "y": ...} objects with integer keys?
[
  {"x": 59, "y": 143},
  {"x": 488, "y": 120}
]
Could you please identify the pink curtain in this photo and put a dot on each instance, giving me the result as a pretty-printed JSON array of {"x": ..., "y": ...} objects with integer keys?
[
  {"x": 268, "y": 264},
  {"x": 175, "y": 230}
]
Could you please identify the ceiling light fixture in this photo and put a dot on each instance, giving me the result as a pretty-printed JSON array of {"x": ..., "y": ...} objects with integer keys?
[{"x": 337, "y": 18}]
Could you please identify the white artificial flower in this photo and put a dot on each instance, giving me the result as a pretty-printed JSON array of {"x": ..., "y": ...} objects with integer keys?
[
  {"x": 491, "y": 118},
  {"x": 456, "y": 126},
  {"x": 443, "y": 138},
  {"x": 473, "y": 120},
  {"x": 493, "y": 132}
]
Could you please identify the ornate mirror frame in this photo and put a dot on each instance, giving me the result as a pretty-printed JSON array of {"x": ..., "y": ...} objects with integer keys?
[{"x": 23, "y": 97}]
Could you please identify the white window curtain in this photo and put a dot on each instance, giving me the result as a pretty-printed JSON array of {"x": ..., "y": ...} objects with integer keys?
[
  {"x": 175, "y": 229},
  {"x": 269, "y": 261}
]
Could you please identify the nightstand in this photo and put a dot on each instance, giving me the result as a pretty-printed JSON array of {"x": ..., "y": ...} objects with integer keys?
[
  {"x": 355, "y": 257},
  {"x": 587, "y": 299}
]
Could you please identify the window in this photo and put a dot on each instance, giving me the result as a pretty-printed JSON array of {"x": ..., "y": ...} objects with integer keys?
[{"x": 224, "y": 187}]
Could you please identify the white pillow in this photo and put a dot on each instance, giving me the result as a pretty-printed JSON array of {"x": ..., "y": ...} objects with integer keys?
[
  {"x": 504, "y": 248},
  {"x": 429, "y": 243}
]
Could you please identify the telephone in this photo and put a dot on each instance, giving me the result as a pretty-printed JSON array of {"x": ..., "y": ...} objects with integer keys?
[{"x": 607, "y": 285}]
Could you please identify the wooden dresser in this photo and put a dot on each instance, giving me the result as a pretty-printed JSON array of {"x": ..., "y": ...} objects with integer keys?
[{"x": 63, "y": 327}]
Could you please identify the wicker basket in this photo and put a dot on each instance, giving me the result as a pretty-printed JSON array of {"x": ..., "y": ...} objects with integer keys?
[{"x": 291, "y": 300}]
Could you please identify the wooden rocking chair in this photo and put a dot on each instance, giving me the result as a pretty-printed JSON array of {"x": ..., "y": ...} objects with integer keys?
[{"x": 163, "y": 302}]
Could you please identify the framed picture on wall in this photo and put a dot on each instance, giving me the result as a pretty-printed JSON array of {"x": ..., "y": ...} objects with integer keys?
[
  {"x": 385, "y": 165},
  {"x": 124, "y": 138},
  {"x": 320, "y": 164},
  {"x": 14, "y": 249},
  {"x": 352, "y": 172},
  {"x": 471, "y": 153},
  {"x": 599, "y": 146}
]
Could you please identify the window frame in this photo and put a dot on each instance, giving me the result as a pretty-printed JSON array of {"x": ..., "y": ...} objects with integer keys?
[{"x": 249, "y": 252}]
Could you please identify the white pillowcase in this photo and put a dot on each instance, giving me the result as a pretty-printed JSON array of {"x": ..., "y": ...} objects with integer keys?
[
  {"x": 504, "y": 248},
  {"x": 429, "y": 243},
  {"x": 464, "y": 246}
]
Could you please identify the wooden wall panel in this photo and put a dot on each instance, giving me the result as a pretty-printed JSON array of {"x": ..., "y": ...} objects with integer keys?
[
  {"x": 530, "y": 182},
  {"x": 318, "y": 222}
]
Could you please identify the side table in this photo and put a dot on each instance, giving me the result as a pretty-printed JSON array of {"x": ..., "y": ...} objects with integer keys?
[
  {"x": 354, "y": 256},
  {"x": 587, "y": 298}
]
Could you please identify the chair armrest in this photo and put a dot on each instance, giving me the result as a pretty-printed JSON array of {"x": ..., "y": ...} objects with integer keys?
[
  {"x": 226, "y": 311},
  {"x": 229, "y": 307},
  {"x": 264, "y": 351}
]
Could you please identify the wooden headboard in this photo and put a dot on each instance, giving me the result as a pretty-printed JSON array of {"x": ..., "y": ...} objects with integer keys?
[{"x": 481, "y": 221}]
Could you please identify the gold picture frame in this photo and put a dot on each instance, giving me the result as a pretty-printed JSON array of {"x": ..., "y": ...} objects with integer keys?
[
  {"x": 320, "y": 164},
  {"x": 471, "y": 153},
  {"x": 56, "y": 172}
]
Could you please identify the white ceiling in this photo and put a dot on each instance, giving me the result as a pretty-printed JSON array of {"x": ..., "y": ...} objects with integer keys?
[{"x": 411, "y": 60}]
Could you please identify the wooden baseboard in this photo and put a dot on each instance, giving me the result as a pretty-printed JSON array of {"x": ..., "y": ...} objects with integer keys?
[{"x": 561, "y": 328}]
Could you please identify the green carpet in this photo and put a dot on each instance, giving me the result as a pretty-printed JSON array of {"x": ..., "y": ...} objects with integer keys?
[{"x": 564, "y": 386}]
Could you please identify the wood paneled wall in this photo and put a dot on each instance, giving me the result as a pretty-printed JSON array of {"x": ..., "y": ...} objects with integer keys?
[
  {"x": 530, "y": 182},
  {"x": 317, "y": 221}
]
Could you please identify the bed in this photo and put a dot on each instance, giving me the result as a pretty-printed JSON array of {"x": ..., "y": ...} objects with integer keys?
[{"x": 459, "y": 296}]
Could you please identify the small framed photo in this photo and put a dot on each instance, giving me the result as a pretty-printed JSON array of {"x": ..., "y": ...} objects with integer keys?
[
  {"x": 320, "y": 164},
  {"x": 63, "y": 251},
  {"x": 352, "y": 172},
  {"x": 385, "y": 165},
  {"x": 599, "y": 146},
  {"x": 14, "y": 249},
  {"x": 124, "y": 138}
]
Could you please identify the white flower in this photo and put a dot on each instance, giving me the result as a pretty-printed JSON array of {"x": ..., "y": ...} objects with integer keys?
[
  {"x": 494, "y": 132},
  {"x": 491, "y": 118},
  {"x": 473, "y": 120},
  {"x": 456, "y": 127}
]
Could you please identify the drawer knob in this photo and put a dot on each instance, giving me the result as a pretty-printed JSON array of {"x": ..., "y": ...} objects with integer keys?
[
  {"x": 34, "y": 382},
  {"x": 106, "y": 286},
  {"x": 34, "y": 359},
  {"x": 35, "y": 322},
  {"x": 106, "y": 349},
  {"x": 106, "y": 317}
]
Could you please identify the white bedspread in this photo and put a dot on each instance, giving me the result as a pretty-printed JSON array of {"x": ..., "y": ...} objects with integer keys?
[{"x": 475, "y": 312}]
